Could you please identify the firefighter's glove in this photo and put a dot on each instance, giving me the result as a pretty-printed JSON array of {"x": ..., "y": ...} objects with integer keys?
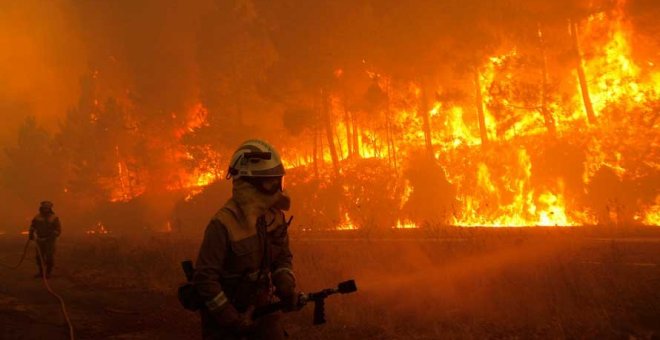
[
  {"x": 285, "y": 289},
  {"x": 291, "y": 302},
  {"x": 238, "y": 323},
  {"x": 246, "y": 324}
]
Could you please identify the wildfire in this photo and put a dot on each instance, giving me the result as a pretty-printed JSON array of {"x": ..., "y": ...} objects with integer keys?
[
  {"x": 196, "y": 117},
  {"x": 126, "y": 184},
  {"x": 485, "y": 139},
  {"x": 461, "y": 133},
  {"x": 507, "y": 196},
  {"x": 405, "y": 225},
  {"x": 346, "y": 223},
  {"x": 127, "y": 187},
  {"x": 615, "y": 77},
  {"x": 554, "y": 211},
  {"x": 98, "y": 229},
  {"x": 652, "y": 213}
]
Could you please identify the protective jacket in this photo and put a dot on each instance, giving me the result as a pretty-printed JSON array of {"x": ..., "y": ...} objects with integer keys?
[
  {"x": 46, "y": 226},
  {"x": 236, "y": 263}
]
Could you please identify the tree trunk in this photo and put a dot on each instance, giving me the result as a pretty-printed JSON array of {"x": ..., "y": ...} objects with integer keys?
[
  {"x": 329, "y": 131},
  {"x": 347, "y": 124},
  {"x": 582, "y": 78},
  {"x": 480, "y": 109},
  {"x": 124, "y": 176},
  {"x": 548, "y": 118},
  {"x": 315, "y": 148},
  {"x": 356, "y": 135},
  {"x": 426, "y": 119},
  {"x": 339, "y": 145},
  {"x": 390, "y": 136},
  {"x": 387, "y": 136}
]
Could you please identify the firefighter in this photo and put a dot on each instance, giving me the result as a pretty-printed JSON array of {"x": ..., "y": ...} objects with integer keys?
[
  {"x": 46, "y": 227},
  {"x": 245, "y": 252}
]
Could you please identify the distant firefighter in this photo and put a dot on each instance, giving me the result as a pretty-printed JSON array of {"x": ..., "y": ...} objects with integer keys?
[
  {"x": 246, "y": 250},
  {"x": 47, "y": 228}
]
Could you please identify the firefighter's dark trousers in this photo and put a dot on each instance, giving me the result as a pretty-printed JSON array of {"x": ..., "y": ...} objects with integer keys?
[{"x": 47, "y": 249}]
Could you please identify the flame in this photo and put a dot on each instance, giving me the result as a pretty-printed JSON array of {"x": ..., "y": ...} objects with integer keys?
[
  {"x": 197, "y": 117},
  {"x": 460, "y": 132},
  {"x": 554, "y": 211},
  {"x": 98, "y": 229},
  {"x": 495, "y": 181},
  {"x": 346, "y": 223},
  {"x": 405, "y": 196},
  {"x": 526, "y": 207},
  {"x": 127, "y": 188},
  {"x": 615, "y": 77},
  {"x": 405, "y": 224},
  {"x": 499, "y": 189},
  {"x": 508, "y": 197},
  {"x": 652, "y": 214}
]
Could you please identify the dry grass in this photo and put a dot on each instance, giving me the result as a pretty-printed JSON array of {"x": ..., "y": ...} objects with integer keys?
[{"x": 445, "y": 283}]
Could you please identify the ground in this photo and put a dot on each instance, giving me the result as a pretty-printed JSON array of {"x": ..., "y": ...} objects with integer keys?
[{"x": 422, "y": 284}]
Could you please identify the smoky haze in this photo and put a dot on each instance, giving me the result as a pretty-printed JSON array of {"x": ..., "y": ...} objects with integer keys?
[
  {"x": 172, "y": 54},
  {"x": 134, "y": 102}
]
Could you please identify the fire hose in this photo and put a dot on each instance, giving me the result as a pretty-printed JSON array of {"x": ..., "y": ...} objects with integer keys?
[
  {"x": 318, "y": 298},
  {"x": 22, "y": 257},
  {"x": 46, "y": 284},
  {"x": 190, "y": 299}
]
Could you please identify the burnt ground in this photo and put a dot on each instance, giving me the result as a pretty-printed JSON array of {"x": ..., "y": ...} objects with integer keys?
[
  {"x": 453, "y": 283},
  {"x": 97, "y": 311}
]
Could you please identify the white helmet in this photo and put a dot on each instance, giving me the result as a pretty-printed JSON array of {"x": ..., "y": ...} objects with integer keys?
[{"x": 255, "y": 158}]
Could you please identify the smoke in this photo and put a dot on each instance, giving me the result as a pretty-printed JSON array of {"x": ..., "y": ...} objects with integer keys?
[
  {"x": 163, "y": 57},
  {"x": 42, "y": 57},
  {"x": 139, "y": 51}
]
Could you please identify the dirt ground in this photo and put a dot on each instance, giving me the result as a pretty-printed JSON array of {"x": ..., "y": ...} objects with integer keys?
[
  {"x": 425, "y": 284},
  {"x": 27, "y": 311}
]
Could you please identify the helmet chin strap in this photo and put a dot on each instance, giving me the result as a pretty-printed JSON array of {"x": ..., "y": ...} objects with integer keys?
[{"x": 232, "y": 171}]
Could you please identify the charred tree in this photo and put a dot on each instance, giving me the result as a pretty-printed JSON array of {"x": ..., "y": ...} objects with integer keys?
[
  {"x": 329, "y": 131},
  {"x": 340, "y": 145},
  {"x": 548, "y": 118},
  {"x": 315, "y": 148},
  {"x": 426, "y": 120},
  {"x": 347, "y": 124},
  {"x": 390, "y": 135},
  {"x": 349, "y": 142},
  {"x": 388, "y": 138},
  {"x": 356, "y": 135},
  {"x": 584, "y": 86},
  {"x": 480, "y": 108}
]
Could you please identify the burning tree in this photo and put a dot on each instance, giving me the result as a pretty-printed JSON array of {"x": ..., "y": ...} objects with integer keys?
[{"x": 520, "y": 112}]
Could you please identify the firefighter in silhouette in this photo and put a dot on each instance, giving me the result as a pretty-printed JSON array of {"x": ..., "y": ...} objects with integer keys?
[
  {"x": 245, "y": 252},
  {"x": 45, "y": 228}
]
